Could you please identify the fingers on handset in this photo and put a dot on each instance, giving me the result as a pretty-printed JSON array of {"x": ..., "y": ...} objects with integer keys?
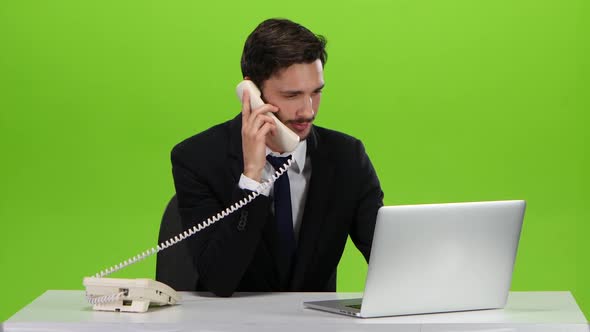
[
  {"x": 258, "y": 119},
  {"x": 268, "y": 127},
  {"x": 246, "y": 108},
  {"x": 264, "y": 109},
  {"x": 261, "y": 115}
]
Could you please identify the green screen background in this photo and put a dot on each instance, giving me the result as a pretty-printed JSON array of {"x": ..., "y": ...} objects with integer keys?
[{"x": 454, "y": 100}]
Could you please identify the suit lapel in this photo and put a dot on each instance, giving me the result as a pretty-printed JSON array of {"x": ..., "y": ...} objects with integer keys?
[{"x": 318, "y": 199}]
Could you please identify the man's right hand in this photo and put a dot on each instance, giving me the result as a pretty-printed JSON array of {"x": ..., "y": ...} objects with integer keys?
[{"x": 256, "y": 125}]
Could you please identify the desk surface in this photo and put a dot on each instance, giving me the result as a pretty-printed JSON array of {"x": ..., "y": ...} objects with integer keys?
[{"x": 68, "y": 311}]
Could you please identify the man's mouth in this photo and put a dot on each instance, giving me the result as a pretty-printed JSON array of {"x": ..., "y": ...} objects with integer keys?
[{"x": 301, "y": 126}]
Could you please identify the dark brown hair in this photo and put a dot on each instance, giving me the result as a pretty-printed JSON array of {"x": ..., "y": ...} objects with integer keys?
[{"x": 276, "y": 44}]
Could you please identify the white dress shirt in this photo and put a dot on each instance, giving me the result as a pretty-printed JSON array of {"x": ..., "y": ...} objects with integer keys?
[{"x": 299, "y": 174}]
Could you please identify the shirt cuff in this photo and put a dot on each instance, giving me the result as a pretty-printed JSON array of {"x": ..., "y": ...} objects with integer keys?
[{"x": 252, "y": 185}]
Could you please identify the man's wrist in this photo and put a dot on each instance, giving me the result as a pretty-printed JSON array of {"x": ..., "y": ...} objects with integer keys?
[{"x": 250, "y": 184}]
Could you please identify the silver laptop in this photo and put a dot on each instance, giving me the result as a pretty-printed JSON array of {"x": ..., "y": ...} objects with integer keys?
[{"x": 438, "y": 258}]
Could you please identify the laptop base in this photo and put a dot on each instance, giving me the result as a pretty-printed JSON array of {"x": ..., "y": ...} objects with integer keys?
[{"x": 348, "y": 307}]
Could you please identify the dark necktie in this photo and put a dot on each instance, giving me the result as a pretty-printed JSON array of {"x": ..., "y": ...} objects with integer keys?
[{"x": 283, "y": 214}]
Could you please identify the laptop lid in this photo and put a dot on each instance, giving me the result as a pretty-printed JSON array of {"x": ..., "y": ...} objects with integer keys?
[
  {"x": 437, "y": 258},
  {"x": 442, "y": 257}
]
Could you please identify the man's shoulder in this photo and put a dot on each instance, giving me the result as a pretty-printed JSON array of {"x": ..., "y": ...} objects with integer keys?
[
  {"x": 215, "y": 137},
  {"x": 333, "y": 138}
]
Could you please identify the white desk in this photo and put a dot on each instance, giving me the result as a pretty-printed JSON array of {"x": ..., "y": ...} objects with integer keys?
[{"x": 68, "y": 311}]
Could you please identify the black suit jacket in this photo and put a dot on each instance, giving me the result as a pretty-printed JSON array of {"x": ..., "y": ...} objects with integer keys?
[{"x": 237, "y": 253}]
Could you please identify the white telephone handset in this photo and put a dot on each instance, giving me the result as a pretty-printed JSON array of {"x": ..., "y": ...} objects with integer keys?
[{"x": 285, "y": 139}]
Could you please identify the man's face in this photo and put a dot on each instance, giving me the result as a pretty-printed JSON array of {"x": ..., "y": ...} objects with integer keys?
[{"x": 296, "y": 91}]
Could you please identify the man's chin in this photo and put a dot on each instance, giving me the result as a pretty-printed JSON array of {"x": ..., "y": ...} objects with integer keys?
[{"x": 304, "y": 137}]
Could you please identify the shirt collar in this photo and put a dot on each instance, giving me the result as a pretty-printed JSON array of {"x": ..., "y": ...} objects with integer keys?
[{"x": 299, "y": 155}]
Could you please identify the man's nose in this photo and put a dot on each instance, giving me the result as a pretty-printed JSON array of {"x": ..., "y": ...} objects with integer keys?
[{"x": 307, "y": 108}]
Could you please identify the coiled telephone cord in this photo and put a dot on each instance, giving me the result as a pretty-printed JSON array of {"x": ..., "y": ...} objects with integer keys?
[{"x": 197, "y": 228}]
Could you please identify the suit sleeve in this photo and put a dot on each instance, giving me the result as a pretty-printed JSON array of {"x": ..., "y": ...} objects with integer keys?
[
  {"x": 222, "y": 251},
  {"x": 369, "y": 200}
]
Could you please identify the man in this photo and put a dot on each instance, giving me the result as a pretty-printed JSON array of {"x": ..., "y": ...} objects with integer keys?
[{"x": 330, "y": 191}]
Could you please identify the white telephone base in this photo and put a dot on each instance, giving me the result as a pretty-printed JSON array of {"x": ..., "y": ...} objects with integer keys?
[{"x": 128, "y": 295}]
